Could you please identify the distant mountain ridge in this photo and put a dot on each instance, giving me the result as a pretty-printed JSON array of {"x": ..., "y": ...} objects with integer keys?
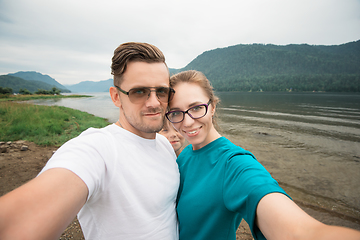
[
  {"x": 91, "y": 86},
  {"x": 36, "y": 76}
]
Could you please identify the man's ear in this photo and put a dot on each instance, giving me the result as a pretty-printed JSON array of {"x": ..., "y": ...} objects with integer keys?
[{"x": 114, "y": 94}]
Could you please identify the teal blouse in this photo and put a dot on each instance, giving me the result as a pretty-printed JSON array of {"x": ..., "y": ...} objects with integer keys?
[{"x": 220, "y": 184}]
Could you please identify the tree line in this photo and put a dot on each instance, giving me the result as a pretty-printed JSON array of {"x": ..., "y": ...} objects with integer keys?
[
  {"x": 298, "y": 83},
  {"x": 53, "y": 91}
]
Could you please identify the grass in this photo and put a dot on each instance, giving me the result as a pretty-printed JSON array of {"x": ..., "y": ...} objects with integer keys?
[
  {"x": 19, "y": 97},
  {"x": 44, "y": 125}
]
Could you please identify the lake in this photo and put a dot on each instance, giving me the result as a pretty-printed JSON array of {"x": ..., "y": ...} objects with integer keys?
[{"x": 309, "y": 142}]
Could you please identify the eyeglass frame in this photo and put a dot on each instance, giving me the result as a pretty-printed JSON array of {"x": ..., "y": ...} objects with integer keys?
[
  {"x": 170, "y": 95},
  {"x": 187, "y": 112}
]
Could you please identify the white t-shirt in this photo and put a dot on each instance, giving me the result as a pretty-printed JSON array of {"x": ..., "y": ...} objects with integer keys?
[{"x": 132, "y": 181}]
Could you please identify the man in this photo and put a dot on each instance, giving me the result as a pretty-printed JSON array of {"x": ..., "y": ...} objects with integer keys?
[{"x": 121, "y": 180}]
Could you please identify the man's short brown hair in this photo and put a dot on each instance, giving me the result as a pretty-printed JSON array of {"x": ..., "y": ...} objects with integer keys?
[{"x": 131, "y": 52}]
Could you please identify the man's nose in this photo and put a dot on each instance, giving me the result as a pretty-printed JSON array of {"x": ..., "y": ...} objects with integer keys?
[{"x": 152, "y": 100}]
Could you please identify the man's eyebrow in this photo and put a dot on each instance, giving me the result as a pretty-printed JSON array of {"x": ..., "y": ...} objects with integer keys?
[{"x": 142, "y": 86}]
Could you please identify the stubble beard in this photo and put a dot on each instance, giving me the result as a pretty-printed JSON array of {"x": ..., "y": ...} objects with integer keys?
[{"x": 139, "y": 123}]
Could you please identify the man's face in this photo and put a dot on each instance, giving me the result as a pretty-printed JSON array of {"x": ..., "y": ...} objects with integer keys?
[{"x": 144, "y": 118}]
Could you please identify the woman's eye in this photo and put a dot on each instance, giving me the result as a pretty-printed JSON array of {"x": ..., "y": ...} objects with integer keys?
[{"x": 196, "y": 108}]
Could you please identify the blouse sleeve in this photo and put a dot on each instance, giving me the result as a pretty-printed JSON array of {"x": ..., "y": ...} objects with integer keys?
[{"x": 246, "y": 182}]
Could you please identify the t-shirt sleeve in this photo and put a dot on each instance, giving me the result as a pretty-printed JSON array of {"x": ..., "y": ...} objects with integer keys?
[
  {"x": 86, "y": 156},
  {"x": 246, "y": 182}
]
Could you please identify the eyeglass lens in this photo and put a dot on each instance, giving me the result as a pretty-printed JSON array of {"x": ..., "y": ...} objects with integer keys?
[{"x": 195, "y": 112}]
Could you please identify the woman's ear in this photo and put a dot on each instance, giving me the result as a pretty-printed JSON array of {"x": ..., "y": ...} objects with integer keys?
[
  {"x": 213, "y": 110},
  {"x": 114, "y": 94}
]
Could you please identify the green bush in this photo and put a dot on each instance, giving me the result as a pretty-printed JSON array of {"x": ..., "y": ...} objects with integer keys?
[
  {"x": 24, "y": 91},
  {"x": 53, "y": 91},
  {"x": 6, "y": 90}
]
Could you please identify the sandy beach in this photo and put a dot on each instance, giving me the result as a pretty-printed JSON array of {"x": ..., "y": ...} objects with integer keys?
[{"x": 284, "y": 163}]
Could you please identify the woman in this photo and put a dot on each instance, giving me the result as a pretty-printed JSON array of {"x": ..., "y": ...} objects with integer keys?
[
  {"x": 221, "y": 183},
  {"x": 175, "y": 138}
]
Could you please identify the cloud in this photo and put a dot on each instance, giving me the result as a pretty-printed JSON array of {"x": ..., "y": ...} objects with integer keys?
[{"x": 73, "y": 41}]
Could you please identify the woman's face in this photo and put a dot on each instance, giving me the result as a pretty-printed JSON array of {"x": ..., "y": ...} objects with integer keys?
[
  {"x": 175, "y": 138},
  {"x": 198, "y": 132}
]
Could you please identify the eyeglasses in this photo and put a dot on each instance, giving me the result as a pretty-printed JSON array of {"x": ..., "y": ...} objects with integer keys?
[
  {"x": 141, "y": 94},
  {"x": 194, "y": 112}
]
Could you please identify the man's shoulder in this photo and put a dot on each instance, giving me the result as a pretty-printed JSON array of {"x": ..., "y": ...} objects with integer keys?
[
  {"x": 105, "y": 130},
  {"x": 91, "y": 137}
]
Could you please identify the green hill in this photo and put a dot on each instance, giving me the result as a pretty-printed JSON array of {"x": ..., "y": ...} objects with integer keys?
[
  {"x": 35, "y": 76},
  {"x": 16, "y": 83},
  {"x": 280, "y": 68}
]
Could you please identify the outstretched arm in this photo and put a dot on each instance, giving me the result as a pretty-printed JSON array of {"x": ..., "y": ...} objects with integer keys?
[
  {"x": 280, "y": 218},
  {"x": 43, "y": 207}
]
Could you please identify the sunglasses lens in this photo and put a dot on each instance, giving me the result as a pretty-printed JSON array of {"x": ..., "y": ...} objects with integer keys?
[
  {"x": 162, "y": 94},
  {"x": 137, "y": 95}
]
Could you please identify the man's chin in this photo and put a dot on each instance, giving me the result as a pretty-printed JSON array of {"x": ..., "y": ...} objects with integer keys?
[{"x": 153, "y": 128}]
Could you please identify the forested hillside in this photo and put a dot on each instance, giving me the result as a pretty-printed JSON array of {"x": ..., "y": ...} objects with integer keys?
[
  {"x": 282, "y": 68},
  {"x": 35, "y": 76},
  {"x": 16, "y": 83}
]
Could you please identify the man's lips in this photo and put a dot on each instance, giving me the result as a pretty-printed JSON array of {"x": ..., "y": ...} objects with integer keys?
[{"x": 152, "y": 114}]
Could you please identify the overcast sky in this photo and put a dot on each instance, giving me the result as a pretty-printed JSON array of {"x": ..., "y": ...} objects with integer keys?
[{"x": 73, "y": 40}]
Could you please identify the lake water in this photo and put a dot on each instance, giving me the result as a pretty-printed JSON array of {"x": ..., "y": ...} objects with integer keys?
[
  {"x": 309, "y": 142},
  {"x": 325, "y": 115}
]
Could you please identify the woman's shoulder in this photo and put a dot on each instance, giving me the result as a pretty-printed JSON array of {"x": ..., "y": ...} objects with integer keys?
[{"x": 226, "y": 147}]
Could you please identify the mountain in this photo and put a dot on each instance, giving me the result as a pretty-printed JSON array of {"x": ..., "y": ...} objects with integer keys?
[
  {"x": 16, "y": 83},
  {"x": 90, "y": 86},
  {"x": 35, "y": 76},
  {"x": 254, "y": 67},
  {"x": 172, "y": 71},
  {"x": 270, "y": 67}
]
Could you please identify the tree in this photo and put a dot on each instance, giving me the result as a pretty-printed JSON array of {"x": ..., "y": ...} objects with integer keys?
[
  {"x": 24, "y": 91},
  {"x": 53, "y": 91},
  {"x": 6, "y": 90}
]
